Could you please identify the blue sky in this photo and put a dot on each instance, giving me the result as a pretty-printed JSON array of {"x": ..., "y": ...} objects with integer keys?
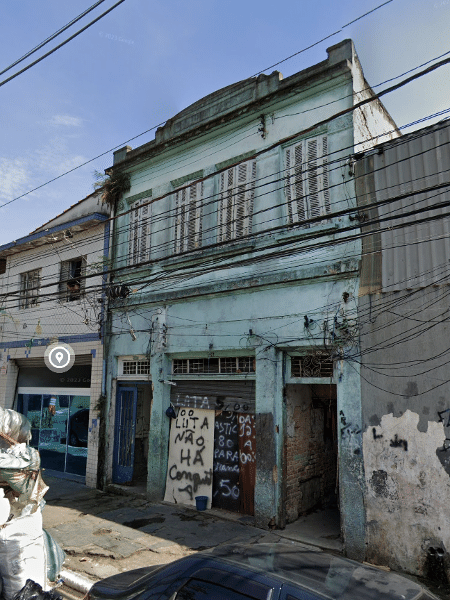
[{"x": 145, "y": 61}]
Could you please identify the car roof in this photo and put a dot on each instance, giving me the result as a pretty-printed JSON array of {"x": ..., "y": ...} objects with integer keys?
[{"x": 321, "y": 572}]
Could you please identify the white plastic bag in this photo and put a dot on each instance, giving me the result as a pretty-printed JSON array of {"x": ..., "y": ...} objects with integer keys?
[{"x": 22, "y": 554}]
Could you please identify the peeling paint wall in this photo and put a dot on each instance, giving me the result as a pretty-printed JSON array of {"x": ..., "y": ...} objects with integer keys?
[{"x": 407, "y": 506}]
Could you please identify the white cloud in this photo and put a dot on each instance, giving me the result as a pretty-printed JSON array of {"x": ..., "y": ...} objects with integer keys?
[
  {"x": 66, "y": 120},
  {"x": 14, "y": 178},
  {"x": 55, "y": 158}
]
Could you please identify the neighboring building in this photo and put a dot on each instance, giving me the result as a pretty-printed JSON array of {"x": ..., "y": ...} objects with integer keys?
[
  {"x": 404, "y": 321},
  {"x": 232, "y": 286},
  {"x": 34, "y": 314}
]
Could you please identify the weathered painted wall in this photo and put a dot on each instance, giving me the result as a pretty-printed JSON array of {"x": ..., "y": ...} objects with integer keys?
[
  {"x": 406, "y": 409},
  {"x": 407, "y": 491}
]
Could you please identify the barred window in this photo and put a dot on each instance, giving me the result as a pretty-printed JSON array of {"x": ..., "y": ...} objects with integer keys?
[
  {"x": 136, "y": 367},
  {"x": 237, "y": 191},
  {"x": 312, "y": 365},
  {"x": 29, "y": 288},
  {"x": 221, "y": 365},
  {"x": 306, "y": 180}
]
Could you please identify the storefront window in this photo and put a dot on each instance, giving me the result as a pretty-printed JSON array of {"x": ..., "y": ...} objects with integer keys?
[{"x": 59, "y": 425}]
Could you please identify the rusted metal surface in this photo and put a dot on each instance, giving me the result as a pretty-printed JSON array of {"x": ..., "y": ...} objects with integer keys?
[{"x": 247, "y": 463}]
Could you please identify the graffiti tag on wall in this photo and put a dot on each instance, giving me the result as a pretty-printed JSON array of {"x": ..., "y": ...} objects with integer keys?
[{"x": 190, "y": 465}]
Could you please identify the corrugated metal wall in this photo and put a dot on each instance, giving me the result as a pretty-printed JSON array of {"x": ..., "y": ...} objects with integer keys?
[{"x": 416, "y": 254}]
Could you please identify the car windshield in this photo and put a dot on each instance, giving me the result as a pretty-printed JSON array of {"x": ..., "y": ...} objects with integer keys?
[{"x": 328, "y": 575}]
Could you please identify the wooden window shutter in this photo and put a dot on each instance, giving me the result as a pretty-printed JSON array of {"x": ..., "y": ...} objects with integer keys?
[
  {"x": 225, "y": 215},
  {"x": 139, "y": 236},
  {"x": 64, "y": 277},
  {"x": 180, "y": 220},
  {"x": 188, "y": 217},
  {"x": 323, "y": 161},
  {"x": 294, "y": 183},
  {"x": 312, "y": 178},
  {"x": 236, "y": 197},
  {"x": 307, "y": 185}
]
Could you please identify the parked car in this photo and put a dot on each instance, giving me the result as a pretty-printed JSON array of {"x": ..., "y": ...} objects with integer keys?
[
  {"x": 78, "y": 428},
  {"x": 282, "y": 571}
]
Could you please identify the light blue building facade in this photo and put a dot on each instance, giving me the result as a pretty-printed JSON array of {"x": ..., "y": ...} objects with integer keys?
[{"x": 236, "y": 258}]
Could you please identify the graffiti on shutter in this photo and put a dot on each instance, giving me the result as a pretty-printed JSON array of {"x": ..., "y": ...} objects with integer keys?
[{"x": 226, "y": 493}]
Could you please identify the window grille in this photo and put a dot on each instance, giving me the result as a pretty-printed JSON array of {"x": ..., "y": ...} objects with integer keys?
[
  {"x": 136, "y": 367},
  {"x": 237, "y": 192},
  {"x": 188, "y": 218},
  {"x": 72, "y": 279},
  {"x": 139, "y": 241},
  {"x": 29, "y": 288},
  {"x": 306, "y": 181},
  {"x": 312, "y": 365},
  {"x": 222, "y": 365}
]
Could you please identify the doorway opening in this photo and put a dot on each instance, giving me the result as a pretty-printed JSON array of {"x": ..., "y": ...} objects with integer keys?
[
  {"x": 311, "y": 454},
  {"x": 132, "y": 426}
]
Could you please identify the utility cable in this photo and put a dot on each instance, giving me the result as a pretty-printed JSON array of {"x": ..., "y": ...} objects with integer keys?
[
  {"x": 61, "y": 44},
  {"x": 52, "y": 37}
]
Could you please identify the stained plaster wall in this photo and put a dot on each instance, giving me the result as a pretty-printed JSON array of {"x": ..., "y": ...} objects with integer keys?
[
  {"x": 219, "y": 325},
  {"x": 406, "y": 409}
]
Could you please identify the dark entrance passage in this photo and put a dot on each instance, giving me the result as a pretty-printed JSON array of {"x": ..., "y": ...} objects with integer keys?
[{"x": 311, "y": 449}]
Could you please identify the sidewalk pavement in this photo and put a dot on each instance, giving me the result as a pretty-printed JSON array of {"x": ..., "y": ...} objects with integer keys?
[{"x": 105, "y": 533}]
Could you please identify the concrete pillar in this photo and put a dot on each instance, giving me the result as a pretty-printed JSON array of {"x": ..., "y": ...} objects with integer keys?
[
  {"x": 351, "y": 465},
  {"x": 269, "y": 438},
  {"x": 159, "y": 427},
  {"x": 8, "y": 383}
]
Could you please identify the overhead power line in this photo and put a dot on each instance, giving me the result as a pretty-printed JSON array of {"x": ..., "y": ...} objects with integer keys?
[
  {"x": 52, "y": 37},
  {"x": 160, "y": 125},
  {"x": 323, "y": 39},
  {"x": 311, "y": 243},
  {"x": 69, "y": 39},
  {"x": 161, "y": 217}
]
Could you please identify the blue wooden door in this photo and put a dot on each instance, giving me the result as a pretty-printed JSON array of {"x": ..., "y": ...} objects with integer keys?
[{"x": 124, "y": 435}]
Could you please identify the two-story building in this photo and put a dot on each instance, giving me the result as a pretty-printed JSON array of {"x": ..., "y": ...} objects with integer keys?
[
  {"x": 236, "y": 285},
  {"x": 51, "y": 291}
]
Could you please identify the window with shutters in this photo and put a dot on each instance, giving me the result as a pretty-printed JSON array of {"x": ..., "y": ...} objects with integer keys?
[
  {"x": 29, "y": 288},
  {"x": 72, "y": 279},
  {"x": 236, "y": 195},
  {"x": 139, "y": 236},
  {"x": 306, "y": 180},
  {"x": 188, "y": 217}
]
